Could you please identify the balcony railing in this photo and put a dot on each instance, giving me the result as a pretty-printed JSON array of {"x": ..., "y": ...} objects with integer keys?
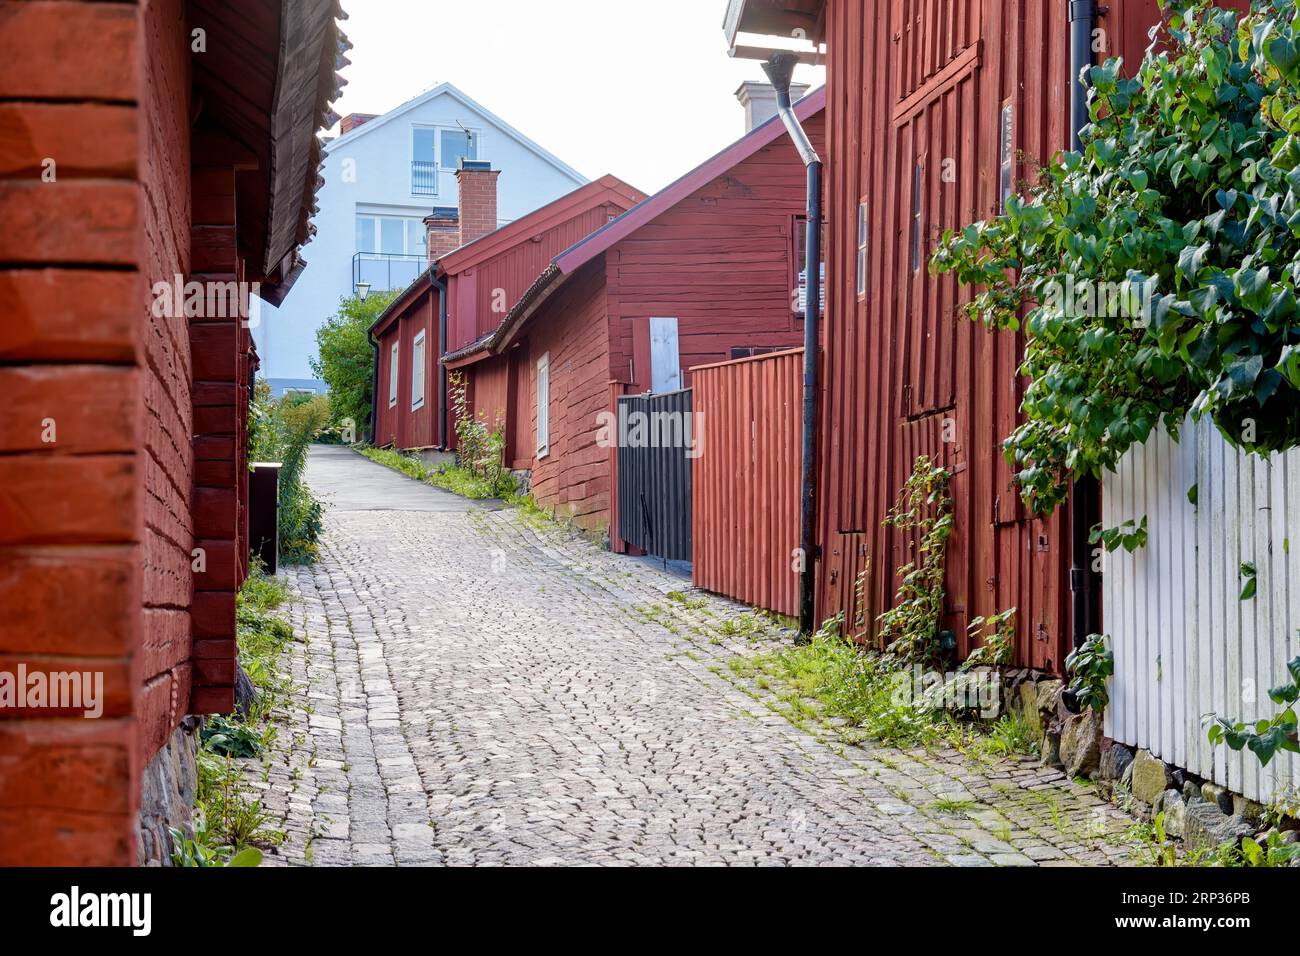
[
  {"x": 385, "y": 271},
  {"x": 424, "y": 178}
]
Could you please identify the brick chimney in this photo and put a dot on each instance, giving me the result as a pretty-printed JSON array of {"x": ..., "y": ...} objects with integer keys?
[
  {"x": 444, "y": 231},
  {"x": 478, "y": 199},
  {"x": 759, "y": 100},
  {"x": 353, "y": 120}
]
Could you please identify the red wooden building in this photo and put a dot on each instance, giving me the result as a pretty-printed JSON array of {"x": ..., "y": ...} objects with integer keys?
[
  {"x": 934, "y": 112},
  {"x": 476, "y": 273},
  {"x": 141, "y": 152},
  {"x": 704, "y": 271}
]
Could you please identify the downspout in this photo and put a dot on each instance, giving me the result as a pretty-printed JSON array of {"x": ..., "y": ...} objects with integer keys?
[
  {"x": 780, "y": 71},
  {"x": 441, "y": 286},
  {"x": 1085, "y": 495},
  {"x": 374, "y": 390}
]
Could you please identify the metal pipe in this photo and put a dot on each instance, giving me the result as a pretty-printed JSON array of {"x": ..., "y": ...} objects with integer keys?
[
  {"x": 441, "y": 286},
  {"x": 780, "y": 71},
  {"x": 1085, "y": 494},
  {"x": 374, "y": 391}
]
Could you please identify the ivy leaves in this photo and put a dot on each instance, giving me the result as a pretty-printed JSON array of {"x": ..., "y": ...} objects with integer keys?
[
  {"x": 1185, "y": 200},
  {"x": 1264, "y": 738}
]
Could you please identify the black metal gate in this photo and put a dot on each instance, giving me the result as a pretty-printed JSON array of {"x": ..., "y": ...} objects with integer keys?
[{"x": 654, "y": 473}]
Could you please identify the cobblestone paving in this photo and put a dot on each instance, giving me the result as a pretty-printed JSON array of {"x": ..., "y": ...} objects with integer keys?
[{"x": 476, "y": 689}]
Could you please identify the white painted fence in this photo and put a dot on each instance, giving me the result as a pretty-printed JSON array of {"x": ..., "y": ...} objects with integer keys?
[{"x": 1184, "y": 642}]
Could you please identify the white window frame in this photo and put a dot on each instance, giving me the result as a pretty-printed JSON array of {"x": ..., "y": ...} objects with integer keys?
[
  {"x": 438, "y": 128},
  {"x": 394, "y": 357},
  {"x": 863, "y": 211},
  {"x": 406, "y": 221},
  {"x": 544, "y": 405},
  {"x": 418, "y": 356}
]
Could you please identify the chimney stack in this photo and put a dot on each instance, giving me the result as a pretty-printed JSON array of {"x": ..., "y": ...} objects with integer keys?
[
  {"x": 478, "y": 199},
  {"x": 759, "y": 100},
  {"x": 353, "y": 120},
  {"x": 444, "y": 231}
]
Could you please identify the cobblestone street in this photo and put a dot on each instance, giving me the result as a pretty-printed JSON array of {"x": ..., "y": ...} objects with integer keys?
[{"x": 478, "y": 689}]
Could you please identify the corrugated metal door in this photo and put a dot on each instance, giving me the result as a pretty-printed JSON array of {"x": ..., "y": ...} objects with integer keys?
[
  {"x": 654, "y": 473},
  {"x": 1185, "y": 643}
]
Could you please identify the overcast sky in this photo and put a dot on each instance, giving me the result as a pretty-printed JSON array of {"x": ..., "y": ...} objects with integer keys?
[{"x": 641, "y": 90}]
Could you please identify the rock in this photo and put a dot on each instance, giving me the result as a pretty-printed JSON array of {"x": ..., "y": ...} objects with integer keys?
[
  {"x": 1206, "y": 828},
  {"x": 1179, "y": 778},
  {"x": 1291, "y": 836},
  {"x": 1048, "y": 691},
  {"x": 1217, "y": 795},
  {"x": 1150, "y": 777},
  {"x": 167, "y": 792},
  {"x": 1114, "y": 761},
  {"x": 1288, "y": 823},
  {"x": 1191, "y": 791},
  {"x": 1081, "y": 744},
  {"x": 1027, "y": 704},
  {"x": 1246, "y": 809},
  {"x": 1126, "y": 779},
  {"x": 1051, "y": 751},
  {"x": 245, "y": 693},
  {"x": 1175, "y": 810}
]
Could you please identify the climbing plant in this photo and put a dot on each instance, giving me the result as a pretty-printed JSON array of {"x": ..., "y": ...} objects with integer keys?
[
  {"x": 1264, "y": 737},
  {"x": 996, "y": 640},
  {"x": 923, "y": 515},
  {"x": 1160, "y": 264}
]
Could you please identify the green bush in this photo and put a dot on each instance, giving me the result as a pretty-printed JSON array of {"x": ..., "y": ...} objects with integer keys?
[
  {"x": 283, "y": 432},
  {"x": 346, "y": 359}
]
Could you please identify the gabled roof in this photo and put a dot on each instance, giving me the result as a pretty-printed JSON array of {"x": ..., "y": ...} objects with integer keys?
[
  {"x": 448, "y": 89},
  {"x": 600, "y": 241},
  {"x": 606, "y": 188},
  {"x": 571, "y": 204},
  {"x": 579, "y": 255}
]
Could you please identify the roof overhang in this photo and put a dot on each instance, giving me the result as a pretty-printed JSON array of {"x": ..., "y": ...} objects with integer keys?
[
  {"x": 799, "y": 24},
  {"x": 266, "y": 80}
]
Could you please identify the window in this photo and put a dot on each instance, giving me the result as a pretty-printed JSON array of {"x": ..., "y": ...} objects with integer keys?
[
  {"x": 392, "y": 376},
  {"x": 665, "y": 357},
  {"x": 1008, "y": 158},
  {"x": 457, "y": 144},
  {"x": 391, "y": 235},
  {"x": 544, "y": 405},
  {"x": 417, "y": 371},
  {"x": 437, "y": 151},
  {"x": 862, "y": 248},
  {"x": 916, "y": 218},
  {"x": 743, "y": 352}
]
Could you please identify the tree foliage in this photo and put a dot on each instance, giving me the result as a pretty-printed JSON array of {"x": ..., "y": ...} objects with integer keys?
[
  {"x": 1161, "y": 264},
  {"x": 346, "y": 359}
]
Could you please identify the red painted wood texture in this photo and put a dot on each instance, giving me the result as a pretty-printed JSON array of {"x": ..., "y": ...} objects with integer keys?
[
  {"x": 746, "y": 480},
  {"x": 915, "y": 96}
]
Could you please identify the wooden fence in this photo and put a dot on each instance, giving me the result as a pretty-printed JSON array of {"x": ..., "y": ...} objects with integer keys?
[
  {"x": 1185, "y": 642},
  {"x": 747, "y": 474}
]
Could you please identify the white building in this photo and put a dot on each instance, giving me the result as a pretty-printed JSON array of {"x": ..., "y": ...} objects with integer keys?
[{"x": 383, "y": 176}]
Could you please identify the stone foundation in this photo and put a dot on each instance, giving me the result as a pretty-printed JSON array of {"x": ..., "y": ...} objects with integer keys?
[{"x": 168, "y": 791}]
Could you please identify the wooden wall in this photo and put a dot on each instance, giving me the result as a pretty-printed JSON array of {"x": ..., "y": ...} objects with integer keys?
[
  {"x": 720, "y": 261},
  {"x": 574, "y": 479},
  {"x": 921, "y": 86}
]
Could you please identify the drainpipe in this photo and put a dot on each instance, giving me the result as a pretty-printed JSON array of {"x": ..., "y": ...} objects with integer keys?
[
  {"x": 1085, "y": 495},
  {"x": 374, "y": 391},
  {"x": 780, "y": 70},
  {"x": 441, "y": 286}
]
